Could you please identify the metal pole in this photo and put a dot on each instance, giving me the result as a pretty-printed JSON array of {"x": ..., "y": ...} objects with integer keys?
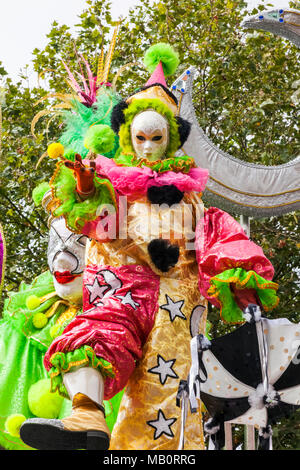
[
  {"x": 228, "y": 436},
  {"x": 249, "y": 430},
  {"x": 245, "y": 223},
  {"x": 250, "y": 437}
]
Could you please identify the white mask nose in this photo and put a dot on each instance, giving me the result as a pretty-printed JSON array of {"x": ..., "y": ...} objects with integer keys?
[{"x": 148, "y": 145}]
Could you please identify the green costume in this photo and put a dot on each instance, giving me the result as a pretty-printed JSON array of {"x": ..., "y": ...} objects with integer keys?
[{"x": 22, "y": 348}]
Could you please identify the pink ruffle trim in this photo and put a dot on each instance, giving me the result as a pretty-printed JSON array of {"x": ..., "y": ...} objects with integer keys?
[{"x": 134, "y": 181}]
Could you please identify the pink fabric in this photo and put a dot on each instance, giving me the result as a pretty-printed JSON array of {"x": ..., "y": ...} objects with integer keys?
[
  {"x": 157, "y": 76},
  {"x": 102, "y": 228},
  {"x": 116, "y": 322},
  {"x": 222, "y": 244},
  {"x": 134, "y": 181}
]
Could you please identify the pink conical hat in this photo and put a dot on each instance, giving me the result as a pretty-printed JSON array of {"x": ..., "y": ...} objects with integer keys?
[{"x": 157, "y": 76}]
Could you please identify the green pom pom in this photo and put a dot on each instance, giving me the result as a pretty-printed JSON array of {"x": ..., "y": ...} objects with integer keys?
[
  {"x": 39, "y": 320},
  {"x": 42, "y": 403},
  {"x": 163, "y": 53},
  {"x": 39, "y": 192},
  {"x": 13, "y": 424},
  {"x": 32, "y": 302},
  {"x": 99, "y": 139}
]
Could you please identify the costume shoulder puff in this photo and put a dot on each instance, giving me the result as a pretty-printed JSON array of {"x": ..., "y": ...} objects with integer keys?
[
  {"x": 117, "y": 116},
  {"x": 184, "y": 129}
]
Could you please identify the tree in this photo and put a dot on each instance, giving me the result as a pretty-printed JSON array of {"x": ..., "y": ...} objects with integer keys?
[{"x": 243, "y": 100}]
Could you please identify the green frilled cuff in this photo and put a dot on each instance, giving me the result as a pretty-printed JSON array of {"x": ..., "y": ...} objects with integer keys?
[
  {"x": 70, "y": 361},
  {"x": 66, "y": 203},
  {"x": 220, "y": 289}
]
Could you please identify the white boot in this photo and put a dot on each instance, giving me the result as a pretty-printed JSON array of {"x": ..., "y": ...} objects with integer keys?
[{"x": 85, "y": 380}]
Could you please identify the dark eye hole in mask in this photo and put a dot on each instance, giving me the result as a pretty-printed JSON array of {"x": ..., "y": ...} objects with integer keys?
[
  {"x": 141, "y": 138},
  {"x": 157, "y": 138},
  {"x": 82, "y": 240},
  {"x": 73, "y": 256}
]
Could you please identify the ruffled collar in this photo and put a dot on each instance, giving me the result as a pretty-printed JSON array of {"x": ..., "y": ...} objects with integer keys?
[
  {"x": 134, "y": 181},
  {"x": 177, "y": 164}
]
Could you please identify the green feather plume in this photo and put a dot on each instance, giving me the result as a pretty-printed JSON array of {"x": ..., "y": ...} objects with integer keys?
[{"x": 81, "y": 118}]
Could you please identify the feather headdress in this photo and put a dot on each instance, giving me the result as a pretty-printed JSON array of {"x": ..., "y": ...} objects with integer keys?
[{"x": 84, "y": 85}]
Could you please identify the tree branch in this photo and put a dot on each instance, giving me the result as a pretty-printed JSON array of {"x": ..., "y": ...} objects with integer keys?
[{"x": 20, "y": 213}]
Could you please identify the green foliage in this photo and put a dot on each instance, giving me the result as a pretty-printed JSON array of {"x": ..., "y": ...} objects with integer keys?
[{"x": 245, "y": 97}]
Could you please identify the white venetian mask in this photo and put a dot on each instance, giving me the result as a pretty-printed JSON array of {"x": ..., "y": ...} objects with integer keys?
[{"x": 150, "y": 135}]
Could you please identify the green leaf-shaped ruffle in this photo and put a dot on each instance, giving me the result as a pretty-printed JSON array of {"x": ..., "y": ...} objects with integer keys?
[
  {"x": 69, "y": 361},
  {"x": 66, "y": 203},
  {"x": 220, "y": 289}
]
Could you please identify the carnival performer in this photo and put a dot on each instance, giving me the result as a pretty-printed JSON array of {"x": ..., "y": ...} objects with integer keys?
[
  {"x": 32, "y": 317},
  {"x": 147, "y": 277}
]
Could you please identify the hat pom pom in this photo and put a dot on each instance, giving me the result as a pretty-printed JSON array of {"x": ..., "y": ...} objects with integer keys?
[{"x": 164, "y": 53}]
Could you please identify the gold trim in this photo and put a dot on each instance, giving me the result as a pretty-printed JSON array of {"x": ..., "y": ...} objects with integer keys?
[
  {"x": 265, "y": 285},
  {"x": 69, "y": 313},
  {"x": 71, "y": 364},
  {"x": 95, "y": 360},
  {"x": 48, "y": 296},
  {"x": 290, "y": 11},
  {"x": 253, "y": 194},
  {"x": 179, "y": 104},
  {"x": 177, "y": 164},
  {"x": 53, "y": 309},
  {"x": 293, "y": 13},
  {"x": 155, "y": 92},
  {"x": 252, "y": 205},
  {"x": 292, "y": 24}
]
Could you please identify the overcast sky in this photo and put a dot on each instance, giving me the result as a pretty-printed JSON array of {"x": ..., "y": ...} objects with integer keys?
[{"x": 25, "y": 23}]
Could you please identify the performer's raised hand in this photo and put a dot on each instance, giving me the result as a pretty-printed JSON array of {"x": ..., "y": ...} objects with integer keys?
[{"x": 84, "y": 175}]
